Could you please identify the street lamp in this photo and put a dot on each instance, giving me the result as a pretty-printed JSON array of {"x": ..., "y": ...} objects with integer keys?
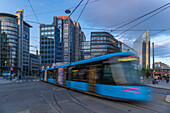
[{"x": 67, "y": 11}]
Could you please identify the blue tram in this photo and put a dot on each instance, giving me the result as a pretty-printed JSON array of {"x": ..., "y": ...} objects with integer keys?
[{"x": 111, "y": 75}]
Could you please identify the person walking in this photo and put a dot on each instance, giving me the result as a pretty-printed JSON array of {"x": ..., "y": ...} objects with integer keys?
[
  {"x": 167, "y": 78},
  {"x": 155, "y": 81}
]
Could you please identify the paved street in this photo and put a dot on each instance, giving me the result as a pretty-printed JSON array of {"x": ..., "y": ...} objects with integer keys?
[{"x": 29, "y": 95}]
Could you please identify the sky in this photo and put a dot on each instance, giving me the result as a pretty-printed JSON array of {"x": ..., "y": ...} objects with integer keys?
[{"x": 102, "y": 15}]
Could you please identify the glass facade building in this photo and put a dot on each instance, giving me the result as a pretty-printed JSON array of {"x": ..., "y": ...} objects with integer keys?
[
  {"x": 25, "y": 48},
  {"x": 67, "y": 35},
  {"x": 9, "y": 43},
  {"x": 103, "y": 43},
  {"x": 60, "y": 41},
  {"x": 126, "y": 48},
  {"x": 142, "y": 46},
  {"x": 50, "y": 46},
  {"x": 15, "y": 33}
]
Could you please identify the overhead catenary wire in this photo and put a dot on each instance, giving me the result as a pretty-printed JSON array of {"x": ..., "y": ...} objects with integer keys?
[
  {"x": 160, "y": 32},
  {"x": 47, "y": 12},
  {"x": 144, "y": 20},
  {"x": 82, "y": 10},
  {"x": 108, "y": 29},
  {"x": 140, "y": 17},
  {"x": 73, "y": 10},
  {"x": 33, "y": 11}
]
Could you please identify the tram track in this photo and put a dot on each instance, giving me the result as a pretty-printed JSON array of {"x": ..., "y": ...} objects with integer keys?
[
  {"x": 139, "y": 107},
  {"x": 80, "y": 103},
  {"x": 46, "y": 100},
  {"x": 73, "y": 100}
]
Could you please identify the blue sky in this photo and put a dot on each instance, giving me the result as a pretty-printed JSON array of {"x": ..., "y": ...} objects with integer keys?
[{"x": 100, "y": 14}]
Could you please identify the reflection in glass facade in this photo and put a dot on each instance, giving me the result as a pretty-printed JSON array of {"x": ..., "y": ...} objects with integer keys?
[
  {"x": 9, "y": 42},
  {"x": 103, "y": 43},
  {"x": 142, "y": 46},
  {"x": 86, "y": 49}
]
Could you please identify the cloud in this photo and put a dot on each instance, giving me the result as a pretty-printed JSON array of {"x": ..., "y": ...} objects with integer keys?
[
  {"x": 162, "y": 49},
  {"x": 106, "y": 13}
]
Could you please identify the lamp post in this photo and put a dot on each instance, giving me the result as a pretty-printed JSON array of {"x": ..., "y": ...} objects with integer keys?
[{"x": 11, "y": 64}]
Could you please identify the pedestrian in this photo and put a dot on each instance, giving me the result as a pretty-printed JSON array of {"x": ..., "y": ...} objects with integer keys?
[
  {"x": 159, "y": 78},
  {"x": 19, "y": 76},
  {"x": 155, "y": 81},
  {"x": 167, "y": 78}
]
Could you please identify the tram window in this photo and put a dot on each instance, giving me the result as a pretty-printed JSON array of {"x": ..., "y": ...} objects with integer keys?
[
  {"x": 75, "y": 74},
  {"x": 50, "y": 74},
  {"x": 106, "y": 77},
  {"x": 80, "y": 74},
  {"x": 83, "y": 75}
]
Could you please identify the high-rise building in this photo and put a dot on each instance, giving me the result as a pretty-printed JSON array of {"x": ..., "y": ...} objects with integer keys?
[
  {"x": 78, "y": 41},
  {"x": 60, "y": 41},
  {"x": 24, "y": 42},
  {"x": 67, "y": 36},
  {"x": 14, "y": 44},
  {"x": 142, "y": 46},
  {"x": 103, "y": 43},
  {"x": 50, "y": 44}
]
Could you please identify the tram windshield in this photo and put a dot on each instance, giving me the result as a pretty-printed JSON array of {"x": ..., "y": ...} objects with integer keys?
[{"x": 125, "y": 71}]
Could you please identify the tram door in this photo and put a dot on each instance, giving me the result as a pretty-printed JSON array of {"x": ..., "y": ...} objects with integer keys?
[
  {"x": 69, "y": 75},
  {"x": 92, "y": 79},
  {"x": 45, "y": 76},
  {"x": 56, "y": 74}
]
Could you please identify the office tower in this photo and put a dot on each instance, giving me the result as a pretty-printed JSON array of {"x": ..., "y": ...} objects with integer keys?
[
  {"x": 14, "y": 44},
  {"x": 103, "y": 43},
  {"x": 142, "y": 46}
]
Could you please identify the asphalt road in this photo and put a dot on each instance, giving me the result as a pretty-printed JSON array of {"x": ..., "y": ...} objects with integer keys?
[{"x": 30, "y": 95}]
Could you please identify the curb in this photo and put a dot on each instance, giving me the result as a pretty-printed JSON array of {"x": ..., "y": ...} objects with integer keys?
[
  {"x": 10, "y": 81},
  {"x": 167, "y": 99},
  {"x": 157, "y": 87}
]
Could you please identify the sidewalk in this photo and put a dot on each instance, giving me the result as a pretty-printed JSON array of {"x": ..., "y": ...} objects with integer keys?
[
  {"x": 161, "y": 84},
  {"x": 4, "y": 81}
]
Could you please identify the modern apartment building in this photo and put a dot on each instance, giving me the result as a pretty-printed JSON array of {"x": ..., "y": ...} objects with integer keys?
[
  {"x": 103, "y": 43},
  {"x": 142, "y": 46},
  {"x": 14, "y": 43}
]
